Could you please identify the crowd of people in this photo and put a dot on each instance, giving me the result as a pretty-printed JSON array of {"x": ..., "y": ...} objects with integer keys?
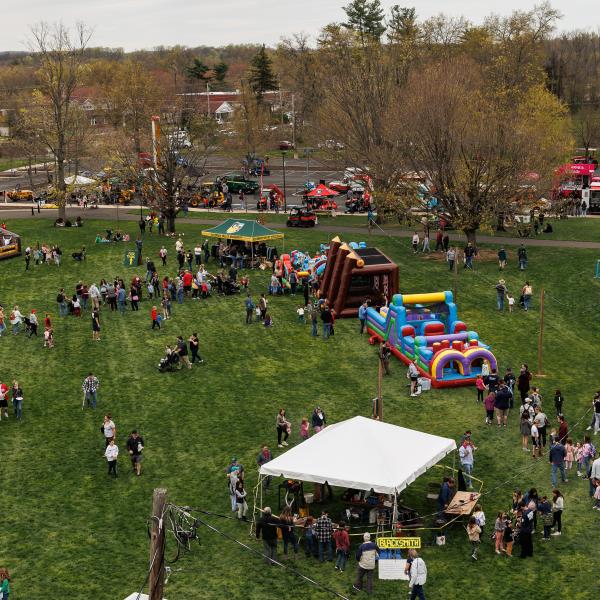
[{"x": 321, "y": 537}]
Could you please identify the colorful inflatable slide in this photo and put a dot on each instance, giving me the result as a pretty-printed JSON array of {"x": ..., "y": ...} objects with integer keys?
[{"x": 424, "y": 328}]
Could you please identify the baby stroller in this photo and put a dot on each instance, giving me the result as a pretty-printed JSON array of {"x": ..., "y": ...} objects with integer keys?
[
  {"x": 169, "y": 362},
  {"x": 28, "y": 325},
  {"x": 230, "y": 287}
]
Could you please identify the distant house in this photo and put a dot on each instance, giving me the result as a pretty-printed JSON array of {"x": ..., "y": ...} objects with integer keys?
[
  {"x": 87, "y": 99},
  {"x": 222, "y": 105}
]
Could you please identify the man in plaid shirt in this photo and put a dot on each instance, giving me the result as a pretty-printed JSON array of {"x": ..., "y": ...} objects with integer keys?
[
  {"x": 324, "y": 532},
  {"x": 90, "y": 385}
]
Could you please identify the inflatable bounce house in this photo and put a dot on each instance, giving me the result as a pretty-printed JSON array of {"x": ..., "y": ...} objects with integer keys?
[
  {"x": 425, "y": 328},
  {"x": 355, "y": 273},
  {"x": 10, "y": 243}
]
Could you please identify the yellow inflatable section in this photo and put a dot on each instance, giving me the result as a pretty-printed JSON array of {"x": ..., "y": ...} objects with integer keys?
[{"x": 423, "y": 298}]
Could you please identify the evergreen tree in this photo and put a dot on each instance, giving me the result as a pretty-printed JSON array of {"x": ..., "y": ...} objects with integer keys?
[
  {"x": 262, "y": 79},
  {"x": 365, "y": 17},
  {"x": 220, "y": 71},
  {"x": 402, "y": 25},
  {"x": 198, "y": 70}
]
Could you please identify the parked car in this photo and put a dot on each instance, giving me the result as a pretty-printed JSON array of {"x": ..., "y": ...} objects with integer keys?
[
  {"x": 237, "y": 181},
  {"x": 301, "y": 217},
  {"x": 285, "y": 145}
]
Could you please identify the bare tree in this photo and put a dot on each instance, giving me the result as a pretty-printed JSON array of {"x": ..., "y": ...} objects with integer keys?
[
  {"x": 167, "y": 184},
  {"x": 62, "y": 56},
  {"x": 478, "y": 154},
  {"x": 359, "y": 109}
]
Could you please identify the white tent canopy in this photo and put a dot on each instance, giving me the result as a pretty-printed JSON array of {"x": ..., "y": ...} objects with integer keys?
[
  {"x": 79, "y": 180},
  {"x": 362, "y": 454}
]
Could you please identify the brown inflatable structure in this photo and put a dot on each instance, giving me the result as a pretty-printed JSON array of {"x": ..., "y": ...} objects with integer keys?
[{"x": 353, "y": 276}]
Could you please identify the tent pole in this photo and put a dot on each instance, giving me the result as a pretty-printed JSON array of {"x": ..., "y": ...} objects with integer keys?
[{"x": 395, "y": 511}]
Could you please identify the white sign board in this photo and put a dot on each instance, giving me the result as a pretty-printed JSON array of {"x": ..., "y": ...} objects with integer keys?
[{"x": 392, "y": 568}]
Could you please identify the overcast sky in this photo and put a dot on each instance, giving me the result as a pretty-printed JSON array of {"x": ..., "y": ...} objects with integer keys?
[{"x": 132, "y": 24}]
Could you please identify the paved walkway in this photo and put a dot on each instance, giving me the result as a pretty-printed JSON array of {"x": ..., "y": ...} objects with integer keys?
[{"x": 110, "y": 214}]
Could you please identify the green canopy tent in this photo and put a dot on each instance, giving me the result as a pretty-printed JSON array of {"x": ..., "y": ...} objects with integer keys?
[{"x": 243, "y": 230}]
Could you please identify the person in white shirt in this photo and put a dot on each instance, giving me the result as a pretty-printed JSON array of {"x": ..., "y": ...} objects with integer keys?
[
  {"x": 418, "y": 575},
  {"x": 109, "y": 429},
  {"x": 111, "y": 453},
  {"x": 413, "y": 375},
  {"x": 95, "y": 296},
  {"x": 198, "y": 254},
  {"x": 15, "y": 319}
]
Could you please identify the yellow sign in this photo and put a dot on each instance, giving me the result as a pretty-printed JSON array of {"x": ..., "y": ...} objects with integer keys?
[{"x": 398, "y": 543}]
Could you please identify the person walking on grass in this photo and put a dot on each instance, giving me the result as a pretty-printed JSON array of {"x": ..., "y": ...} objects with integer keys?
[
  {"x": 522, "y": 256},
  {"x": 266, "y": 527},
  {"x": 501, "y": 259},
  {"x": 249, "y": 303},
  {"x": 362, "y": 316},
  {"x": 415, "y": 242},
  {"x": 466, "y": 460},
  {"x": 17, "y": 394},
  {"x": 474, "y": 533},
  {"x": 135, "y": 447},
  {"x": 109, "y": 429},
  {"x": 451, "y": 258},
  {"x": 426, "y": 247},
  {"x": 418, "y": 575},
  {"x": 154, "y": 317},
  {"x": 95, "y": 325},
  {"x": 282, "y": 425},
  {"x": 15, "y": 319},
  {"x": 194, "y": 348},
  {"x": 385, "y": 353},
  {"x": 182, "y": 350},
  {"x": 2, "y": 320},
  {"x": 240, "y": 499},
  {"x": 342, "y": 546},
  {"x": 111, "y": 453},
  {"x": 366, "y": 555},
  {"x": 324, "y": 534},
  {"x": 264, "y": 456},
  {"x": 557, "y": 456},
  {"x": 4, "y": 584},
  {"x": 288, "y": 532},
  {"x": 90, "y": 387},
  {"x": 262, "y": 304},
  {"x": 558, "y": 505},
  {"x": 526, "y": 293},
  {"x": 469, "y": 253},
  {"x": 501, "y": 292}
]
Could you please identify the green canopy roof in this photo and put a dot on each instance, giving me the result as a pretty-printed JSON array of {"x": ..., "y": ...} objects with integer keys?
[{"x": 240, "y": 229}]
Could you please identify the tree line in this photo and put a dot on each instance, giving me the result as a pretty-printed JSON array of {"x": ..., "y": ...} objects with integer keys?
[{"x": 481, "y": 111}]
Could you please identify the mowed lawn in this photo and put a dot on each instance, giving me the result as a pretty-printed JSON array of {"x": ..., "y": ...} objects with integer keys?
[{"x": 69, "y": 531}]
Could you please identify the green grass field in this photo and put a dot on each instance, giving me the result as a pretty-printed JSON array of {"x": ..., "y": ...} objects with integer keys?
[{"x": 68, "y": 531}]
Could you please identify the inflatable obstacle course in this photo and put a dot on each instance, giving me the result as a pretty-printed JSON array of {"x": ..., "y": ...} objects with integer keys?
[{"x": 425, "y": 328}]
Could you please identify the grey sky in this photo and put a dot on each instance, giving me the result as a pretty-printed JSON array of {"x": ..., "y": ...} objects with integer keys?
[{"x": 132, "y": 24}]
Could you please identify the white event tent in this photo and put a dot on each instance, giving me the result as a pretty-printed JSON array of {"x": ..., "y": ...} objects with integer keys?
[
  {"x": 362, "y": 454},
  {"x": 79, "y": 180}
]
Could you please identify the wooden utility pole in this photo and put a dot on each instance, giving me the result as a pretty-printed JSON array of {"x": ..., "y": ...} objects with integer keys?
[
  {"x": 541, "y": 335},
  {"x": 157, "y": 545},
  {"x": 455, "y": 276},
  {"x": 378, "y": 409}
]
